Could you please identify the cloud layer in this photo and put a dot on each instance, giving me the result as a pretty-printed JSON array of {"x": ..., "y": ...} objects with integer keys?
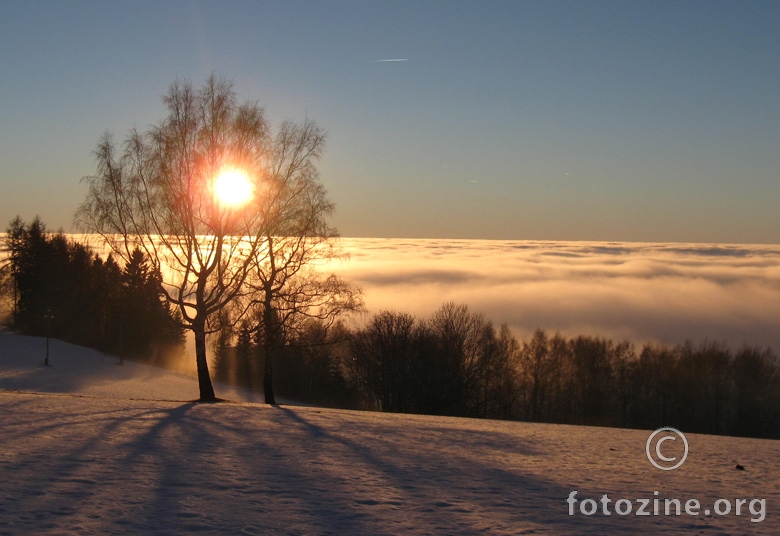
[{"x": 634, "y": 291}]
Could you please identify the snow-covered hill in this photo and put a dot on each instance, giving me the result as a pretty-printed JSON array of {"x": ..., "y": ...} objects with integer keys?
[
  {"x": 88, "y": 447},
  {"x": 82, "y": 371}
]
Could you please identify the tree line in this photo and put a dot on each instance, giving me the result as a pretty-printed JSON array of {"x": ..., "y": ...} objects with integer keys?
[
  {"x": 458, "y": 363},
  {"x": 59, "y": 287}
]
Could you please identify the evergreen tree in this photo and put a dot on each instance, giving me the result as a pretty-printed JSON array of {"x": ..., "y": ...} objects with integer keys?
[{"x": 60, "y": 287}]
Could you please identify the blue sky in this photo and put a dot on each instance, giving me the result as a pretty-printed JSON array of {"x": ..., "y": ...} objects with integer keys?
[{"x": 635, "y": 121}]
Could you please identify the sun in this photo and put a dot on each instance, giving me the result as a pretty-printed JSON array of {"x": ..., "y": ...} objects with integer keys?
[{"x": 232, "y": 188}]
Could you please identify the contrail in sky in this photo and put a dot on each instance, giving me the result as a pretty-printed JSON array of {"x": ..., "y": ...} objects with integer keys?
[{"x": 396, "y": 59}]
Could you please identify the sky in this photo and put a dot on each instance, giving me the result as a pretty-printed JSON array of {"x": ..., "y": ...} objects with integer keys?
[{"x": 648, "y": 121}]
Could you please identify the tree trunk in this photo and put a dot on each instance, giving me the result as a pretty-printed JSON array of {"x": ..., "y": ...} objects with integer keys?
[
  {"x": 268, "y": 381},
  {"x": 204, "y": 379}
]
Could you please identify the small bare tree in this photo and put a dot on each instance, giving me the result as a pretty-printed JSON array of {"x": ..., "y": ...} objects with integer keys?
[
  {"x": 160, "y": 195},
  {"x": 286, "y": 285}
]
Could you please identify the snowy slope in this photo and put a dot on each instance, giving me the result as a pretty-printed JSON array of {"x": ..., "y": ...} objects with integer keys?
[
  {"x": 107, "y": 455},
  {"x": 83, "y": 371}
]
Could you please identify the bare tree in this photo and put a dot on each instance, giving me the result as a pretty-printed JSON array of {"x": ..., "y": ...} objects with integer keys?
[
  {"x": 463, "y": 344},
  {"x": 384, "y": 362},
  {"x": 286, "y": 286},
  {"x": 160, "y": 195}
]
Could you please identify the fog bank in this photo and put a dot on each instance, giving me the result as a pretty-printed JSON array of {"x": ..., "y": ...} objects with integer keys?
[{"x": 635, "y": 291}]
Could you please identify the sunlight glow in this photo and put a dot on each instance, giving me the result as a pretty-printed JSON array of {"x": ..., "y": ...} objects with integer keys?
[{"x": 232, "y": 188}]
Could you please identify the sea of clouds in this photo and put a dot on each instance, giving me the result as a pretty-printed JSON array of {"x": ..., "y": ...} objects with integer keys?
[
  {"x": 667, "y": 292},
  {"x": 636, "y": 291}
]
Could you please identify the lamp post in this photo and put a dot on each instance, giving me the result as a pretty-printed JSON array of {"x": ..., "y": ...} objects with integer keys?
[
  {"x": 48, "y": 316},
  {"x": 121, "y": 342}
]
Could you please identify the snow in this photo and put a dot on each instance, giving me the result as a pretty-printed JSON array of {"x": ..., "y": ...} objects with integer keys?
[
  {"x": 89, "y": 447},
  {"x": 81, "y": 371}
]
